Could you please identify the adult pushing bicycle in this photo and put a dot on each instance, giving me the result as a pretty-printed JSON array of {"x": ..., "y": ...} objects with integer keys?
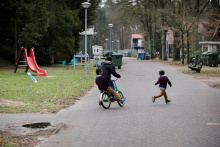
[{"x": 108, "y": 95}]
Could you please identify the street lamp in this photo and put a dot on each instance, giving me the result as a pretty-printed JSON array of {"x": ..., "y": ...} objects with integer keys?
[
  {"x": 110, "y": 26},
  {"x": 106, "y": 43},
  {"x": 118, "y": 44},
  {"x": 112, "y": 46},
  {"x": 86, "y": 5},
  {"x": 168, "y": 46}
]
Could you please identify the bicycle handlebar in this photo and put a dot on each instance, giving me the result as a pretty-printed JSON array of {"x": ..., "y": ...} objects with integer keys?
[{"x": 115, "y": 79}]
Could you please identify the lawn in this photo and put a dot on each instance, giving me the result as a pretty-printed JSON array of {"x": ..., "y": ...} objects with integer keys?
[
  {"x": 56, "y": 91},
  {"x": 204, "y": 72}
]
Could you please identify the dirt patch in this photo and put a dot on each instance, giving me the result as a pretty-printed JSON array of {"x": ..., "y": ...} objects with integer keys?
[
  {"x": 23, "y": 137},
  {"x": 10, "y": 103},
  {"x": 211, "y": 81},
  {"x": 19, "y": 141}
]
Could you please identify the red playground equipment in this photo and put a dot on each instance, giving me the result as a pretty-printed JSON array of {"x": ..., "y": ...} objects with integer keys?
[{"x": 30, "y": 60}]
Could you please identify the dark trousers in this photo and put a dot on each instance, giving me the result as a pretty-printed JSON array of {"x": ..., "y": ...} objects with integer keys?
[{"x": 111, "y": 84}]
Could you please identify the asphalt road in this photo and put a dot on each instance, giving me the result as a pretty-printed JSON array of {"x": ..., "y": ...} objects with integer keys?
[{"x": 185, "y": 122}]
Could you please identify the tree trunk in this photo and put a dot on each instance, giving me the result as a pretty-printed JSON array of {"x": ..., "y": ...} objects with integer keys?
[
  {"x": 176, "y": 50},
  {"x": 195, "y": 36},
  {"x": 149, "y": 31},
  {"x": 195, "y": 27},
  {"x": 182, "y": 47},
  {"x": 153, "y": 40},
  {"x": 15, "y": 39},
  {"x": 149, "y": 43},
  {"x": 188, "y": 47},
  {"x": 26, "y": 44},
  {"x": 163, "y": 38},
  {"x": 52, "y": 58}
]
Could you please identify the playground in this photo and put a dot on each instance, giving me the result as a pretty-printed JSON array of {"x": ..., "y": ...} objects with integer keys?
[{"x": 59, "y": 89}]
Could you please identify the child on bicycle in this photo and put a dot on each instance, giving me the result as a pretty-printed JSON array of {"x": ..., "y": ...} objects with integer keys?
[
  {"x": 103, "y": 84},
  {"x": 163, "y": 80}
]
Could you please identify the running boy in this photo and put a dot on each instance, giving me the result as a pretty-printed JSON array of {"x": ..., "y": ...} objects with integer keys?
[
  {"x": 103, "y": 84},
  {"x": 163, "y": 80}
]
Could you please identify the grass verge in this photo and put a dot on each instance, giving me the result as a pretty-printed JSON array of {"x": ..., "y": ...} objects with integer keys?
[
  {"x": 204, "y": 72},
  {"x": 7, "y": 142},
  {"x": 58, "y": 90},
  {"x": 17, "y": 141}
]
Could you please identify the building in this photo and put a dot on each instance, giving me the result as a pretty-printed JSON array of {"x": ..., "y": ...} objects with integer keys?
[
  {"x": 209, "y": 46},
  {"x": 137, "y": 41},
  {"x": 90, "y": 34}
]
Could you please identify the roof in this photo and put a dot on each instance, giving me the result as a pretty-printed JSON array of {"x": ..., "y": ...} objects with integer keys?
[
  {"x": 210, "y": 53},
  {"x": 90, "y": 31},
  {"x": 137, "y": 36},
  {"x": 209, "y": 42}
]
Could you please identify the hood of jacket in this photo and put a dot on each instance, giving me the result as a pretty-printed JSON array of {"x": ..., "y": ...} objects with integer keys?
[{"x": 107, "y": 62}]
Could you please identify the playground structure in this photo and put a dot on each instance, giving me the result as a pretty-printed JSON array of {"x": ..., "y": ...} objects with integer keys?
[
  {"x": 78, "y": 59},
  {"x": 71, "y": 64},
  {"x": 30, "y": 60},
  {"x": 81, "y": 58},
  {"x": 197, "y": 64}
]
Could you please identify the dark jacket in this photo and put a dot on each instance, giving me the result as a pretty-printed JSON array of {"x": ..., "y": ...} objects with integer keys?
[
  {"x": 108, "y": 68},
  {"x": 163, "y": 80},
  {"x": 102, "y": 82}
]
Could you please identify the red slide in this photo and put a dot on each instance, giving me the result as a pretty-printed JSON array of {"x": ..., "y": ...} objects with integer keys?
[{"x": 33, "y": 64}]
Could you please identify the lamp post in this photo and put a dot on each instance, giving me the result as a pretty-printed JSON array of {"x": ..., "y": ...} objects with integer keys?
[
  {"x": 112, "y": 46},
  {"x": 90, "y": 46},
  {"x": 106, "y": 43},
  {"x": 86, "y": 5},
  {"x": 118, "y": 44},
  {"x": 110, "y": 26},
  {"x": 168, "y": 46}
]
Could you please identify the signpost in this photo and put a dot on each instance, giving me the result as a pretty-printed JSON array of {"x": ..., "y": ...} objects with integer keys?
[{"x": 32, "y": 78}]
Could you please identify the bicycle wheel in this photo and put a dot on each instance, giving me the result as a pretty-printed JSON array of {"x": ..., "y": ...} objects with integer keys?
[
  {"x": 122, "y": 96},
  {"x": 105, "y": 100}
]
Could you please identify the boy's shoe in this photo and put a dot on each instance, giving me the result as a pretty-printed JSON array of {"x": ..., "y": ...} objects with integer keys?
[
  {"x": 123, "y": 100},
  {"x": 167, "y": 101},
  {"x": 113, "y": 99},
  {"x": 153, "y": 99},
  {"x": 100, "y": 103}
]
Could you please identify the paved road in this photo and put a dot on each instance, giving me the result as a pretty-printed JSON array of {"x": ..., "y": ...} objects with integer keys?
[{"x": 141, "y": 123}]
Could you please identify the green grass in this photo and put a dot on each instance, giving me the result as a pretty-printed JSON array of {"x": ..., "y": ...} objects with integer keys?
[
  {"x": 49, "y": 94},
  {"x": 204, "y": 72},
  {"x": 7, "y": 142},
  {"x": 218, "y": 86}
]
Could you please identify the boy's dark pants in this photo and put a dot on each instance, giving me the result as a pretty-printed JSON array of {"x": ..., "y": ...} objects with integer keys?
[{"x": 162, "y": 93}]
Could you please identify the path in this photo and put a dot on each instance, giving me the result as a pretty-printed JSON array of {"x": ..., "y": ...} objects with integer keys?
[{"x": 141, "y": 123}]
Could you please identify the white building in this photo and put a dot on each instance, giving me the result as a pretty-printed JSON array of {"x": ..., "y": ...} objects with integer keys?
[{"x": 209, "y": 46}]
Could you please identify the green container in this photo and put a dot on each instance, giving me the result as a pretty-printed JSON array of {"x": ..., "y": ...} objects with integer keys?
[
  {"x": 196, "y": 59},
  {"x": 117, "y": 60},
  {"x": 109, "y": 54},
  {"x": 210, "y": 58},
  {"x": 126, "y": 54}
]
